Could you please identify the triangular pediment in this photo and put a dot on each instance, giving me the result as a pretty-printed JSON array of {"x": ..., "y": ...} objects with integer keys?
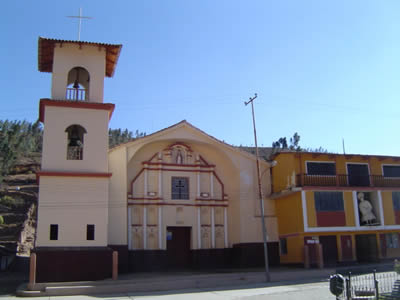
[{"x": 185, "y": 132}]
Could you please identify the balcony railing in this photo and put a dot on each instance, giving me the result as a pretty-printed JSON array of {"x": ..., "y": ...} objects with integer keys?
[
  {"x": 75, "y": 94},
  {"x": 345, "y": 180}
]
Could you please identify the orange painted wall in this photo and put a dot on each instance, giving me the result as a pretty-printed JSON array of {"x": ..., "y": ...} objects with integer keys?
[
  {"x": 349, "y": 208},
  {"x": 311, "y": 213},
  {"x": 283, "y": 171},
  {"x": 388, "y": 207},
  {"x": 289, "y": 214}
]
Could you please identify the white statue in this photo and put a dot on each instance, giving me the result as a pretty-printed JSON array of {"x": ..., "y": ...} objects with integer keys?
[
  {"x": 367, "y": 216},
  {"x": 179, "y": 158}
]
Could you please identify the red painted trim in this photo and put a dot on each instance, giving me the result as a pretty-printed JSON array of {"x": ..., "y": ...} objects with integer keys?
[
  {"x": 348, "y": 188},
  {"x": 179, "y": 170},
  {"x": 205, "y": 162},
  {"x": 178, "y": 144},
  {"x": 220, "y": 182},
  {"x": 72, "y": 174},
  {"x": 143, "y": 199},
  {"x": 397, "y": 217},
  {"x": 289, "y": 235},
  {"x": 205, "y": 199},
  {"x": 331, "y": 218},
  {"x": 175, "y": 165},
  {"x": 134, "y": 179},
  {"x": 151, "y": 158},
  {"x": 74, "y": 104},
  {"x": 178, "y": 204}
]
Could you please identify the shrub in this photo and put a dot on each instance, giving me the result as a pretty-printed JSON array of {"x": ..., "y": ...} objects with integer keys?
[
  {"x": 8, "y": 201},
  {"x": 1, "y": 220}
]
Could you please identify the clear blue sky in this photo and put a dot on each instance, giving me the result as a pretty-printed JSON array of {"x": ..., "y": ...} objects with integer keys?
[{"x": 326, "y": 69}]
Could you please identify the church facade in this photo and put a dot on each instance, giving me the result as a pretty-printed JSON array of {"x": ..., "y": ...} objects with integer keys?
[{"x": 178, "y": 198}]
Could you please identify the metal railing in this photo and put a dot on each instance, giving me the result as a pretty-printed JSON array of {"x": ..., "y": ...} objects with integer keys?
[
  {"x": 369, "y": 286},
  {"x": 75, "y": 94},
  {"x": 345, "y": 180}
]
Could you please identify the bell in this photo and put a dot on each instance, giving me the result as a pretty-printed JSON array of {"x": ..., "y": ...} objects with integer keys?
[{"x": 76, "y": 84}]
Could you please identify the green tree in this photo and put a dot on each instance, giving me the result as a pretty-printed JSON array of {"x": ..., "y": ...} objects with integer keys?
[{"x": 118, "y": 136}]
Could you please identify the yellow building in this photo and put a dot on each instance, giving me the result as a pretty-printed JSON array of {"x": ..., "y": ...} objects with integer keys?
[{"x": 348, "y": 204}]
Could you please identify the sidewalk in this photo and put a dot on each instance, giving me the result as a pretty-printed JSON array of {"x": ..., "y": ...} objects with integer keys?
[
  {"x": 186, "y": 280},
  {"x": 152, "y": 282}
]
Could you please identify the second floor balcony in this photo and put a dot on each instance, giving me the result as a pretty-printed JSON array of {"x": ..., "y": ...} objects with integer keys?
[{"x": 346, "y": 180}]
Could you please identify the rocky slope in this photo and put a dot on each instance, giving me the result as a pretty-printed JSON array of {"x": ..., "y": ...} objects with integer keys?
[{"x": 18, "y": 206}]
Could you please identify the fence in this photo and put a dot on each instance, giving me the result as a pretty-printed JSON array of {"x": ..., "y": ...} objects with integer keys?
[{"x": 368, "y": 286}]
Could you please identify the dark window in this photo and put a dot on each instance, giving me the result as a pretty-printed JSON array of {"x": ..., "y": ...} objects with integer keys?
[
  {"x": 321, "y": 168},
  {"x": 180, "y": 188},
  {"x": 396, "y": 200},
  {"x": 90, "y": 232},
  {"x": 283, "y": 244},
  {"x": 53, "y": 232},
  {"x": 391, "y": 171},
  {"x": 328, "y": 201},
  {"x": 392, "y": 240},
  {"x": 358, "y": 174}
]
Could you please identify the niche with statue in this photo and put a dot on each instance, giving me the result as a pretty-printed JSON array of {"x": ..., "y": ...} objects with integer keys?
[{"x": 368, "y": 208}]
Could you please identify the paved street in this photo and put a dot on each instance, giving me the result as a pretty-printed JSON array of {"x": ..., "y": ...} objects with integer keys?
[{"x": 309, "y": 291}]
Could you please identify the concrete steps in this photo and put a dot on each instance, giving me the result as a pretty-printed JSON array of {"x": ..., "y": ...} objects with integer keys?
[{"x": 134, "y": 283}]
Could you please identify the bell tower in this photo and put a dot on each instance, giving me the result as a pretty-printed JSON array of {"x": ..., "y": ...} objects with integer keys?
[{"x": 74, "y": 178}]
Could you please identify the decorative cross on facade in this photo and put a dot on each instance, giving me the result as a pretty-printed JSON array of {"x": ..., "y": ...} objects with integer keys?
[
  {"x": 80, "y": 17},
  {"x": 180, "y": 188}
]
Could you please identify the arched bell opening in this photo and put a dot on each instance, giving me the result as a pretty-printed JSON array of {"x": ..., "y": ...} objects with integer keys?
[
  {"x": 78, "y": 84},
  {"x": 75, "y": 142}
]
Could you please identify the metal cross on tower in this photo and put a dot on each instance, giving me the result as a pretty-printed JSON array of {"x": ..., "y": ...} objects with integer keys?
[{"x": 80, "y": 17}]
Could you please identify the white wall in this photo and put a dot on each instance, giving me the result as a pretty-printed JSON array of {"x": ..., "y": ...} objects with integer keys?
[
  {"x": 72, "y": 203},
  {"x": 54, "y": 155},
  {"x": 69, "y": 56}
]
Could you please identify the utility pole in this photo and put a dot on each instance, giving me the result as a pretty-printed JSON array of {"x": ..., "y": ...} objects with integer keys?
[{"x": 260, "y": 193}]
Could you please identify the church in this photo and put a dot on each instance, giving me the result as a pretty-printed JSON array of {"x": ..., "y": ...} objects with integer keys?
[{"x": 175, "y": 199}]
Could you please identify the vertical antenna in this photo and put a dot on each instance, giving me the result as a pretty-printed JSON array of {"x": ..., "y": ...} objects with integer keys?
[{"x": 344, "y": 151}]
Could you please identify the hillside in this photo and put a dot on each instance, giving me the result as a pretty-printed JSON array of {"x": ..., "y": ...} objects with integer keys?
[{"x": 18, "y": 206}]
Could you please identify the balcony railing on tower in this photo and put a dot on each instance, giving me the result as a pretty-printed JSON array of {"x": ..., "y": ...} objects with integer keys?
[
  {"x": 76, "y": 94},
  {"x": 345, "y": 180}
]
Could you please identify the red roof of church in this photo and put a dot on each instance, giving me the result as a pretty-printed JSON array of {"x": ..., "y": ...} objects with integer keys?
[{"x": 46, "y": 53}]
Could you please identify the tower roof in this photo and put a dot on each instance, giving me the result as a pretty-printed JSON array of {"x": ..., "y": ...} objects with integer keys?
[{"x": 46, "y": 53}]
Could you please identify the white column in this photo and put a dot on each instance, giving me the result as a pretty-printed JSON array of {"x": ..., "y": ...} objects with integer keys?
[
  {"x": 160, "y": 241},
  {"x": 355, "y": 206},
  {"x": 145, "y": 228},
  {"x": 304, "y": 206},
  {"x": 381, "y": 214},
  {"x": 198, "y": 184},
  {"x": 212, "y": 185},
  {"x": 198, "y": 228},
  {"x": 130, "y": 227},
  {"x": 212, "y": 228},
  {"x": 145, "y": 182},
  {"x": 226, "y": 227},
  {"x": 160, "y": 183}
]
